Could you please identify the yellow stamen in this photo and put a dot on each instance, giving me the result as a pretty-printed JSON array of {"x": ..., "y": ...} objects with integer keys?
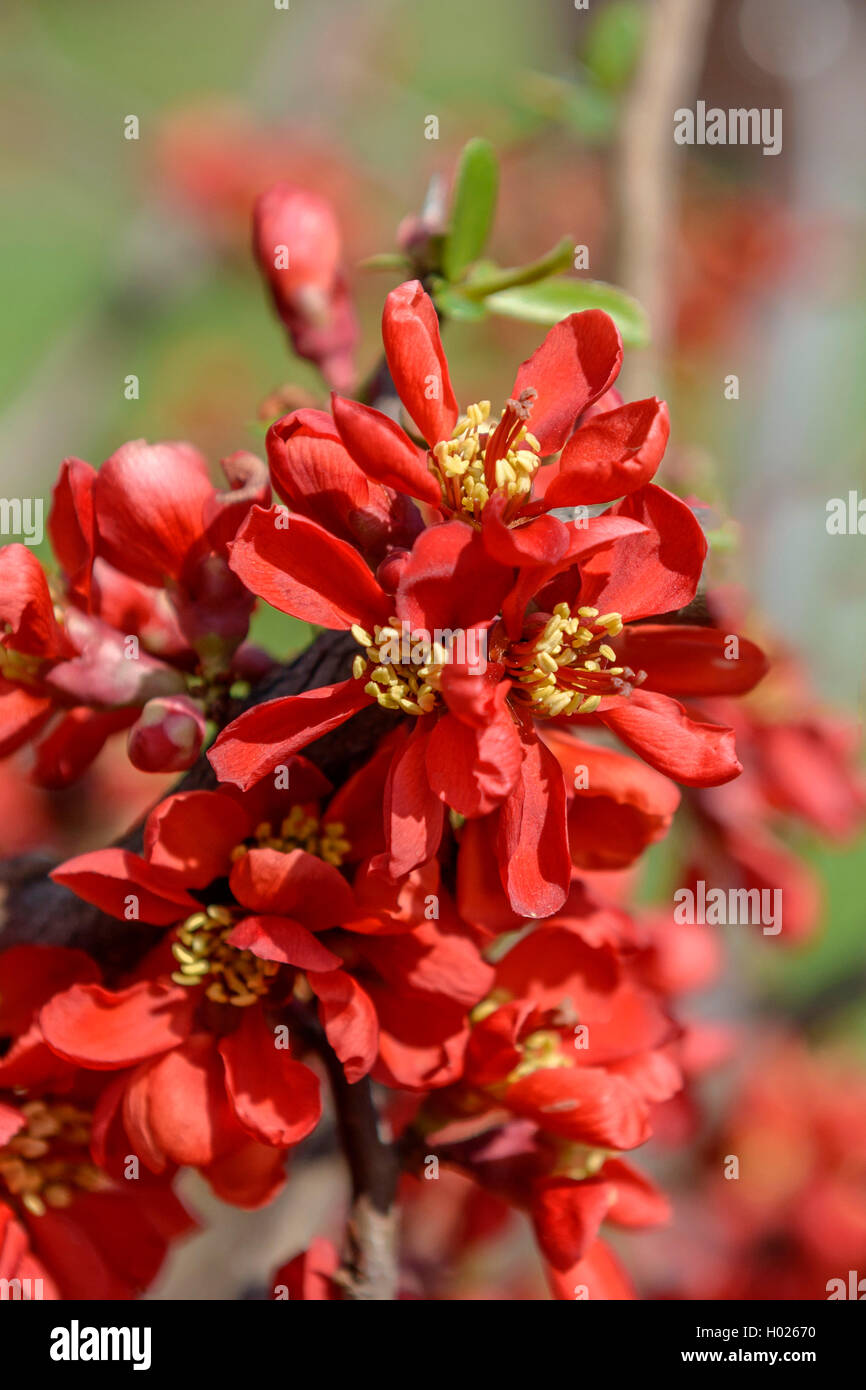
[
  {"x": 563, "y": 666},
  {"x": 411, "y": 687}
]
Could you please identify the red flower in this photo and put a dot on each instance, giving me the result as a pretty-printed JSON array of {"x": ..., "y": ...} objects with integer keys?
[
  {"x": 281, "y": 922},
  {"x": 71, "y": 1218},
  {"x": 474, "y": 745}
]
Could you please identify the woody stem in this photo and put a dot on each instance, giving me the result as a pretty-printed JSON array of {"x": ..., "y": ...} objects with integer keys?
[{"x": 369, "y": 1267}]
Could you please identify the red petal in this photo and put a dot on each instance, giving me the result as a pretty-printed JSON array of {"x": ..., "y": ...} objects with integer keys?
[
  {"x": 189, "y": 1113},
  {"x": 480, "y": 895},
  {"x": 71, "y": 524},
  {"x": 543, "y": 541},
  {"x": 683, "y": 660},
  {"x": 432, "y": 960},
  {"x": 417, "y": 361},
  {"x": 27, "y": 621},
  {"x": 22, "y": 715},
  {"x": 71, "y": 746},
  {"x": 150, "y": 501},
  {"x": 268, "y": 735},
  {"x": 413, "y": 814},
  {"x": 303, "y": 570},
  {"x": 275, "y": 1098},
  {"x": 613, "y": 454},
  {"x": 296, "y": 884},
  {"x": 637, "y": 1202},
  {"x": 449, "y": 581},
  {"x": 575, "y": 364},
  {"x": 553, "y": 963},
  {"x": 586, "y": 1104},
  {"x": 30, "y": 975},
  {"x": 655, "y": 571},
  {"x": 624, "y": 806},
  {"x": 567, "y": 1214},
  {"x": 192, "y": 834},
  {"x": 313, "y": 473},
  {"x": 248, "y": 485},
  {"x": 535, "y": 864},
  {"x": 473, "y": 769},
  {"x": 104, "y": 1030},
  {"x": 598, "y": 1277},
  {"x": 379, "y": 446},
  {"x": 308, "y": 1277},
  {"x": 561, "y": 582},
  {"x": 249, "y": 1175},
  {"x": 349, "y": 1019},
  {"x": 281, "y": 939},
  {"x": 108, "y": 878},
  {"x": 422, "y": 1039},
  {"x": 658, "y": 728},
  {"x": 476, "y": 693}
]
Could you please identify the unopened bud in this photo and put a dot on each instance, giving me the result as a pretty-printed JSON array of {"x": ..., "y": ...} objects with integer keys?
[
  {"x": 389, "y": 571},
  {"x": 296, "y": 240},
  {"x": 168, "y": 735}
]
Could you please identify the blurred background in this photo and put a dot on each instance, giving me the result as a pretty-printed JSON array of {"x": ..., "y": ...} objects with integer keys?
[{"x": 124, "y": 257}]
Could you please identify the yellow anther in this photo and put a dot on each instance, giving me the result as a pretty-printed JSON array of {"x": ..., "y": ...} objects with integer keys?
[
  {"x": 564, "y": 667},
  {"x": 48, "y": 1160},
  {"x": 459, "y": 464}
]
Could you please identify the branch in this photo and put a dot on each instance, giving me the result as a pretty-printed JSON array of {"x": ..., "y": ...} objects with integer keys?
[
  {"x": 646, "y": 192},
  {"x": 369, "y": 1269}
]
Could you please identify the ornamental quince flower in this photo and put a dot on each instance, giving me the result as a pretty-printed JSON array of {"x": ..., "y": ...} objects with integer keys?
[
  {"x": 558, "y": 639},
  {"x": 488, "y": 472},
  {"x": 67, "y": 1217},
  {"x": 264, "y": 921}
]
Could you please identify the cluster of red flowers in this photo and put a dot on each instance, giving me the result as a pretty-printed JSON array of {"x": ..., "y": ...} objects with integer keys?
[
  {"x": 779, "y": 1207},
  {"x": 515, "y": 583}
]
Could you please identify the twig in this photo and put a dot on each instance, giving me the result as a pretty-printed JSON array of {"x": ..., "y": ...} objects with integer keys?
[
  {"x": 369, "y": 1268},
  {"x": 646, "y": 184}
]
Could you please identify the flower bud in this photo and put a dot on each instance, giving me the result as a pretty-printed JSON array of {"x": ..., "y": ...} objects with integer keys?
[
  {"x": 168, "y": 735},
  {"x": 296, "y": 241},
  {"x": 389, "y": 571}
]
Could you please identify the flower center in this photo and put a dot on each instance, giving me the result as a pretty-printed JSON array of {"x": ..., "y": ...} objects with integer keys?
[
  {"x": 409, "y": 685},
  {"x": 480, "y": 457},
  {"x": 44, "y": 1163},
  {"x": 204, "y": 956},
  {"x": 201, "y": 947},
  {"x": 300, "y": 830},
  {"x": 541, "y": 1052},
  {"x": 565, "y": 664}
]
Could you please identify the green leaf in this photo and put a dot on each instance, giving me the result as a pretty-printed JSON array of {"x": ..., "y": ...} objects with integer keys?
[
  {"x": 454, "y": 304},
  {"x": 582, "y": 106},
  {"x": 614, "y": 42},
  {"x": 472, "y": 208},
  {"x": 548, "y": 301}
]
